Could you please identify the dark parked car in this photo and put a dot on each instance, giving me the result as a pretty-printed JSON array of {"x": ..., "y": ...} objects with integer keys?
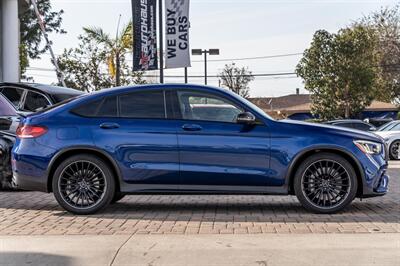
[
  {"x": 352, "y": 123},
  {"x": 158, "y": 139},
  {"x": 9, "y": 120},
  {"x": 20, "y": 99},
  {"x": 30, "y": 97}
]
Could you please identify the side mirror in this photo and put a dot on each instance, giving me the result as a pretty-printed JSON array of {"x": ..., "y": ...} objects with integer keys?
[
  {"x": 372, "y": 129},
  {"x": 246, "y": 118}
]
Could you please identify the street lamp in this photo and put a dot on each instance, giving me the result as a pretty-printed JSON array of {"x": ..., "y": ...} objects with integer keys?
[{"x": 205, "y": 52}]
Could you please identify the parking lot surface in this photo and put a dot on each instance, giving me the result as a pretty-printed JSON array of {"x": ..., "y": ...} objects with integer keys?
[{"x": 32, "y": 213}]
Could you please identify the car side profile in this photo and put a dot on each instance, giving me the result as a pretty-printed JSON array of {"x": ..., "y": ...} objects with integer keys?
[{"x": 149, "y": 139}]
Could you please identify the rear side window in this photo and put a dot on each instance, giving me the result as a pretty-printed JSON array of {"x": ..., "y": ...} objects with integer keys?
[
  {"x": 88, "y": 109},
  {"x": 35, "y": 101},
  {"x": 108, "y": 108},
  {"x": 145, "y": 104},
  {"x": 14, "y": 95}
]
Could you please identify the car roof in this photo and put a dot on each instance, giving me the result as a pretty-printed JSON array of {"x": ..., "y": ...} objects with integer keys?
[
  {"x": 48, "y": 89},
  {"x": 178, "y": 86}
]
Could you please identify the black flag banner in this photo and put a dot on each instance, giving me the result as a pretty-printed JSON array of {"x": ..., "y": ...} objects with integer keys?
[{"x": 144, "y": 35}]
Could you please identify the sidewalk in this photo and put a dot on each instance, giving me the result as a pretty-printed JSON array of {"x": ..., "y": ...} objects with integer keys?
[{"x": 302, "y": 249}]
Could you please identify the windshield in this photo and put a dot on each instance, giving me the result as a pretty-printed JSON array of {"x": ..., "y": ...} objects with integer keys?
[
  {"x": 6, "y": 108},
  {"x": 388, "y": 126},
  {"x": 250, "y": 104}
]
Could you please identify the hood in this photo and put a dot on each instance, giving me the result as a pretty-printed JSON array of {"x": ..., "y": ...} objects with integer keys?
[
  {"x": 329, "y": 129},
  {"x": 386, "y": 134}
]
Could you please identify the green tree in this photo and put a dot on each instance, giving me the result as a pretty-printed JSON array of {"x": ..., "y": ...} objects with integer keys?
[
  {"x": 341, "y": 71},
  {"x": 385, "y": 23},
  {"x": 86, "y": 67},
  {"x": 32, "y": 40},
  {"x": 237, "y": 79},
  {"x": 115, "y": 48}
]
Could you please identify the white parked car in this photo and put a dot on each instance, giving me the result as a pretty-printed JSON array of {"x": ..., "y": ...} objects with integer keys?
[{"x": 391, "y": 133}]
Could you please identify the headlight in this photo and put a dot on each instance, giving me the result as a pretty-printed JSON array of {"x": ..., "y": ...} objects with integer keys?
[{"x": 369, "y": 147}]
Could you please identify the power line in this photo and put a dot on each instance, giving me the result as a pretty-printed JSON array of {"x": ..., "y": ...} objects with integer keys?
[
  {"x": 231, "y": 59},
  {"x": 250, "y": 58},
  {"x": 190, "y": 76}
]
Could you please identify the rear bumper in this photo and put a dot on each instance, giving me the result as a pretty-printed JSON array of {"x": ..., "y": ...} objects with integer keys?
[{"x": 31, "y": 183}]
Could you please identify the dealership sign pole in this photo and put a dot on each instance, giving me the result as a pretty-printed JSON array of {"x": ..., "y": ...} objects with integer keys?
[
  {"x": 177, "y": 34},
  {"x": 161, "y": 34}
]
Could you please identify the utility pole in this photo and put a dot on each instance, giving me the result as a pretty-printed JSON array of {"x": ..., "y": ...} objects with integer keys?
[
  {"x": 186, "y": 75},
  {"x": 60, "y": 74}
]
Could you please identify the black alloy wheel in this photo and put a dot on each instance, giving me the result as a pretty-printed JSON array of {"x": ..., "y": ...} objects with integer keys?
[
  {"x": 83, "y": 184},
  {"x": 394, "y": 150},
  {"x": 325, "y": 183}
]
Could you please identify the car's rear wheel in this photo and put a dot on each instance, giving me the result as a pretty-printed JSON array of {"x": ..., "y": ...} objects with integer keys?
[
  {"x": 83, "y": 184},
  {"x": 394, "y": 150},
  {"x": 325, "y": 183}
]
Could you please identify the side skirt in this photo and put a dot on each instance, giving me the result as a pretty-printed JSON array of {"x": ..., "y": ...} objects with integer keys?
[{"x": 202, "y": 189}]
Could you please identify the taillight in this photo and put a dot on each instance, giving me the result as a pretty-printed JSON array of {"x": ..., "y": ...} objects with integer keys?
[{"x": 28, "y": 132}]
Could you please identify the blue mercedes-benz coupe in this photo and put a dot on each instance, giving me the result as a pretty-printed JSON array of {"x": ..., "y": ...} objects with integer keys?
[{"x": 187, "y": 139}]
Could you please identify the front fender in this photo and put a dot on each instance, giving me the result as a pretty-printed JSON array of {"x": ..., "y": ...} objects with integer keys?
[{"x": 300, "y": 156}]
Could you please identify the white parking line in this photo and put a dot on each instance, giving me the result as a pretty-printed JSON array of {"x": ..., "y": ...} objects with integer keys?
[{"x": 394, "y": 165}]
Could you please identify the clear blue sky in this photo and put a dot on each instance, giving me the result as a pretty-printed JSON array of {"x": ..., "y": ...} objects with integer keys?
[{"x": 239, "y": 28}]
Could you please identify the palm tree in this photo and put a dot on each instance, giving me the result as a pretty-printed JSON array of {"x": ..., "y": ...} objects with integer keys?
[{"x": 116, "y": 48}]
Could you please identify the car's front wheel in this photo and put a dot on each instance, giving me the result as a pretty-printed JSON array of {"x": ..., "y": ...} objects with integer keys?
[
  {"x": 325, "y": 183},
  {"x": 394, "y": 150},
  {"x": 83, "y": 184}
]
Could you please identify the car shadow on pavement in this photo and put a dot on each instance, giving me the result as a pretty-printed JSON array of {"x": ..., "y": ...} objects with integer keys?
[
  {"x": 249, "y": 211},
  {"x": 205, "y": 208},
  {"x": 30, "y": 258}
]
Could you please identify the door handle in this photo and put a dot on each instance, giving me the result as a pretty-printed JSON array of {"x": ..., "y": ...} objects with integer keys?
[
  {"x": 191, "y": 127},
  {"x": 109, "y": 126}
]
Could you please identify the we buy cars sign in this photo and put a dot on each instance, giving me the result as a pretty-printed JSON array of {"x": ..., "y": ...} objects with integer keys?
[{"x": 177, "y": 33}]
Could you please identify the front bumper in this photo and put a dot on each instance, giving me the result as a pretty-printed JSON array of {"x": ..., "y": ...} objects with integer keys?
[{"x": 376, "y": 178}]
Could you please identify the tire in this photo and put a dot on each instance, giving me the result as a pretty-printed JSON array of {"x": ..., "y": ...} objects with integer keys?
[
  {"x": 394, "y": 150},
  {"x": 325, "y": 183},
  {"x": 117, "y": 197},
  {"x": 83, "y": 184}
]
